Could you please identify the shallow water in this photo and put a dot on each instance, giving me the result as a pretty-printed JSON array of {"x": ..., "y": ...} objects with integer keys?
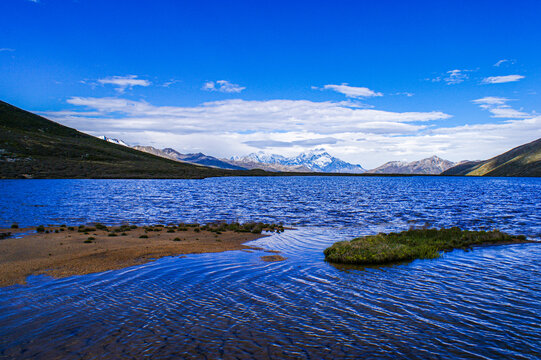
[{"x": 484, "y": 303}]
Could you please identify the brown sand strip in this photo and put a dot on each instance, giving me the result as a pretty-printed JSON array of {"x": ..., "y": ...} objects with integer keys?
[{"x": 65, "y": 253}]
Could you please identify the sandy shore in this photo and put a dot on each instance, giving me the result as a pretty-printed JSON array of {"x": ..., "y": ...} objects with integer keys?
[{"x": 72, "y": 251}]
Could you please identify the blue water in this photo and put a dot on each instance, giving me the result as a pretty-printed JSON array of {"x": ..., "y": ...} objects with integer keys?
[{"x": 481, "y": 304}]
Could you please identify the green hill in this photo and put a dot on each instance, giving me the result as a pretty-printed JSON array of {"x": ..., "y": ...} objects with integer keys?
[
  {"x": 34, "y": 147},
  {"x": 524, "y": 160}
]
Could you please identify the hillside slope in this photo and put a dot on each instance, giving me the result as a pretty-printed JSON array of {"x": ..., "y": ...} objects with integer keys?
[
  {"x": 34, "y": 147},
  {"x": 524, "y": 160}
]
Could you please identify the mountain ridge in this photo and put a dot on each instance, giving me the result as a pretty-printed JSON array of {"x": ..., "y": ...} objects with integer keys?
[
  {"x": 523, "y": 160},
  {"x": 433, "y": 165}
]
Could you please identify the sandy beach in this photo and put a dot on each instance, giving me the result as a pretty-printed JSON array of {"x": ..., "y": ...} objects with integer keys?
[{"x": 62, "y": 251}]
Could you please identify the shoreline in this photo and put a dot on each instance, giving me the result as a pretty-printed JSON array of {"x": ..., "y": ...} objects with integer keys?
[{"x": 61, "y": 251}]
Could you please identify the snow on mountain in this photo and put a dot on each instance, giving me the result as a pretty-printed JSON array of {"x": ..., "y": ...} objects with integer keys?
[
  {"x": 114, "y": 141},
  {"x": 260, "y": 157},
  {"x": 432, "y": 165},
  {"x": 317, "y": 160},
  {"x": 248, "y": 164}
]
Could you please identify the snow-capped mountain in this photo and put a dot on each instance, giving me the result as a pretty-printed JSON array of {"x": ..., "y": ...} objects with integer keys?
[
  {"x": 315, "y": 160},
  {"x": 432, "y": 165},
  {"x": 114, "y": 141}
]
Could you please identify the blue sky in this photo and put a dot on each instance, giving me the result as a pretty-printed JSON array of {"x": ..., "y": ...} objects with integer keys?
[{"x": 368, "y": 81}]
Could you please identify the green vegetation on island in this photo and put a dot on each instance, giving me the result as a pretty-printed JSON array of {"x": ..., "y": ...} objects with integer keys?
[
  {"x": 412, "y": 244},
  {"x": 216, "y": 227}
]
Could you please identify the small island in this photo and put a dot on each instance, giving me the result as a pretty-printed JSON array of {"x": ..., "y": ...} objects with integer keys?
[
  {"x": 412, "y": 244},
  {"x": 62, "y": 251}
]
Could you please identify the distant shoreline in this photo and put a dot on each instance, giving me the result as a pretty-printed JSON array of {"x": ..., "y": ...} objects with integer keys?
[
  {"x": 267, "y": 174},
  {"x": 62, "y": 251}
]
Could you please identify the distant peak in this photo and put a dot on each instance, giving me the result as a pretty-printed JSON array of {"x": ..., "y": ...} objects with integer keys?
[
  {"x": 170, "y": 150},
  {"x": 317, "y": 151},
  {"x": 113, "y": 141}
]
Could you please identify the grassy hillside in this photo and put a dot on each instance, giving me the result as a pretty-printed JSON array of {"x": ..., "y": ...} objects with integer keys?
[
  {"x": 463, "y": 168},
  {"x": 524, "y": 160},
  {"x": 34, "y": 147}
]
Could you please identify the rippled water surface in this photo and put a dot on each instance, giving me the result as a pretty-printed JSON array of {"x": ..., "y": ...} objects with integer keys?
[{"x": 480, "y": 304}]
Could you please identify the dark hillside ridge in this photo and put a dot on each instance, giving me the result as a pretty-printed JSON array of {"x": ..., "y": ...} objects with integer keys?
[
  {"x": 524, "y": 160},
  {"x": 32, "y": 146}
]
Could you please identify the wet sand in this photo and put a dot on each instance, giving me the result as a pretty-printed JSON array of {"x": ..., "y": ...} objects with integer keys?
[{"x": 66, "y": 253}]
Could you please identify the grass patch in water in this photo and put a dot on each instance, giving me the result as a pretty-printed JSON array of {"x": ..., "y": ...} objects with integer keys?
[{"x": 412, "y": 244}]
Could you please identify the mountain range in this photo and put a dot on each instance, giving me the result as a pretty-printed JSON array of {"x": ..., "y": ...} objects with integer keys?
[
  {"x": 312, "y": 161},
  {"x": 317, "y": 160},
  {"x": 521, "y": 161}
]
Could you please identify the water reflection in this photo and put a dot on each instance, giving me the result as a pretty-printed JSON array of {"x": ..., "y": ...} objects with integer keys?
[{"x": 480, "y": 304}]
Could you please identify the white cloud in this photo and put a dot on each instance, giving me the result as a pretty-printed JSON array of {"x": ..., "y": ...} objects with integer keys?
[
  {"x": 124, "y": 82},
  {"x": 170, "y": 82},
  {"x": 6, "y": 49},
  {"x": 504, "y": 61},
  {"x": 266, "y": 143},
  {"x": 498, "y": 107},
  {"x": 408, "y": 94},
  {"x": 508, "y": 113},
  {"x": 248, "y": 116},
  {"x": 491, "y": 100},
  {"x": 223, "y": 86},
  {"x": 350, "y": 91},
  {"x": 502, "y": 79},
  {"x": 237, "y": 127},
  {"x": 456, "y": 76}
]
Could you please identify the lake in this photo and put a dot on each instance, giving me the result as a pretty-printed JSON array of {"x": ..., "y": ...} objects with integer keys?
[{"x": 484, "y": 303}]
